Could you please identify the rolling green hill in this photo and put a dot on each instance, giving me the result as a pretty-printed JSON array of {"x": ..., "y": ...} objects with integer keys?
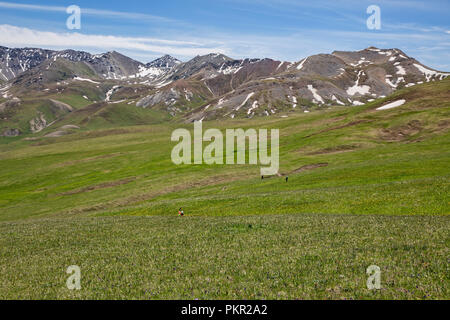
[
  {"x": 365, "y": 187},
  {"x": 390, "y": 158}
]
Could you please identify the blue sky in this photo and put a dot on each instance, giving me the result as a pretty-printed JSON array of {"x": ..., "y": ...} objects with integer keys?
[{"x": 279, "y": 29}]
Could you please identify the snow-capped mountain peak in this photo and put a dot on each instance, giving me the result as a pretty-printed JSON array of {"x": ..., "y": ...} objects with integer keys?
[{"x": 166, "y": 62}]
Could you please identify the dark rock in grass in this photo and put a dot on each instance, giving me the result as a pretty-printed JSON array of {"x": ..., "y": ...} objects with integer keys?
[{"x": 11, "y": 133}]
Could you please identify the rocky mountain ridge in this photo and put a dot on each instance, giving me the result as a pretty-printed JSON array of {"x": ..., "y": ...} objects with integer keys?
[{"x": 207, "y": 87}]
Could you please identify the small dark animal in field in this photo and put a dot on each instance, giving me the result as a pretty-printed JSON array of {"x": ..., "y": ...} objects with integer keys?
[{"x": 287, "y": 179}]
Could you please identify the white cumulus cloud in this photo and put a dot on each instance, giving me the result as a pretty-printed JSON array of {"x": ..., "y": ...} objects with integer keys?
[
  {"x": 89, "y": 11},
  {"x": 12, "y": 36}
]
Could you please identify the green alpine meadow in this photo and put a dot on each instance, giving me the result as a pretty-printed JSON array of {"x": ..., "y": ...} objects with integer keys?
[
  {"x": 358, "y": 186},
  {"x": 226, "y": 159}
]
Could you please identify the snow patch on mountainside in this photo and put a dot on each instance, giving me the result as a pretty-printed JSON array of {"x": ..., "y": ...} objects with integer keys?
[
  {"x": 253, "y": 107},
  {"x": 430, "y": 73},
  {"x": 392, "y": 105},
  {"x": 162, "y": 84},
  {"x": 317, "y": 97},
  {"x": 401, "y": 70},
  {"x": 294, "y": 101},
  {"x": 87, "y": 80},
  {"x": 110, "y": 93},
  {"x": 362, "y": 90},
  {"x": 146, "y": 72},
  {"x": 230, "y": 69},
  {"x": 337, "y": 100},
  {"x": 245, "y": 101},
  {"x": 392, "y": 84},
  {"x": 279, "y": 66},
  {"x": 220, "y": 103},
  {"x": 300, "y": 66},
  {"x": 361, "y": 62}
]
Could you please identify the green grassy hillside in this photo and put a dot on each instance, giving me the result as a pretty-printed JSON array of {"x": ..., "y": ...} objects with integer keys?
[
  {"x": 365, "y": 187},
  {"x": 371, "y": 162}
]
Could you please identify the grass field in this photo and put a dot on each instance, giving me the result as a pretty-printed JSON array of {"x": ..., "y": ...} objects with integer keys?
[
  {"x": 365, "y": 187},
  {"x": 255, "y": 257}
]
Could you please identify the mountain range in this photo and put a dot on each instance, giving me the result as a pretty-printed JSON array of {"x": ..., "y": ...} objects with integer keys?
[{"x": 45, "y": 88}]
